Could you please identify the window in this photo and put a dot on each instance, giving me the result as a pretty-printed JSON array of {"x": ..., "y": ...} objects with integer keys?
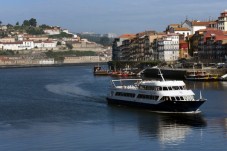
[
  {"x": 150, "y": 97},
  {"x": 165, "y": 88},
  {"x": 125, "y": 94}
]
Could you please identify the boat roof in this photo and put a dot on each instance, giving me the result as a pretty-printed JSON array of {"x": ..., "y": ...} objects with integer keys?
[
  {"x": 177, "y": 93},
  {"x": 163, "y": 83}
]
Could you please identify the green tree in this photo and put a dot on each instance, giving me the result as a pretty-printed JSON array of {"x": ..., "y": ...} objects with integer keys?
[
  {"x": 0, "y": 22},
  {"x": 26, "y": 23},
  {"x": 9, "y": 25},
  {"x": 44, "y": 26},
  {"x": 17, "y": 24},
  {"x": 34, "y": 31},
  {"x": 33, "y": 22}
]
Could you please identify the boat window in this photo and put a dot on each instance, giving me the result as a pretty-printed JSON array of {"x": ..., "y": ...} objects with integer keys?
[
  {"x": 175, "y": 88},
  {"x": 170, "y": 88},
  {"x": 125, "y": 94},
  {"x": 150, "y": 88},
  {"x": 173, "y": 99},
  {"x": 150, "y": 97},
  {"x": 178, "y": 98},
  {"x": 165, "y": 88},
  {"x": 181, "y": 98}
]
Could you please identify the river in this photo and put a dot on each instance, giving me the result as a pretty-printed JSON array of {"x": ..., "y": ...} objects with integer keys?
[{"x": 64, "y": 108}]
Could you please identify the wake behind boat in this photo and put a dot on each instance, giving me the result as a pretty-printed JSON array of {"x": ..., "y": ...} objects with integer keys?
[{"x": 158, "y": 96}]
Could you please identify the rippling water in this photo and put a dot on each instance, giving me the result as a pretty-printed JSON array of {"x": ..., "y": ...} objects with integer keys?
[{"x": 64, "y": 108}]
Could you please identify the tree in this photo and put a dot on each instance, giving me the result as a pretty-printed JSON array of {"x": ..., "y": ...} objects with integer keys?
[
  {"x": 44, "y": 26},
  {"x": 33, "y": 22},
  {"x": 34, "y": 31},
  {"x": 17, "y": 24},
  {"x": 9, "y": 25},
  {"x": 0, "y": 23},
  {"x": 26, "y": 23}
]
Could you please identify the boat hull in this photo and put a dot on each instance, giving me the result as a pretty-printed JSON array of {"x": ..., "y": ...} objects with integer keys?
[{"x": 166, "y": 106}]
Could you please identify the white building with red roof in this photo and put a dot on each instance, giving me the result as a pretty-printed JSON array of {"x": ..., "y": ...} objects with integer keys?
[
  {"x": 195, "y": 25},
  {"x": 222, "y": 21},
  {"x": 45, "y": 44},
  {"x": 18, "y": 45}
]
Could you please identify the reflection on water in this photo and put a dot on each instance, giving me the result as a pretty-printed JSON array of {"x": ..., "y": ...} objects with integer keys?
[
  {"x": 167, "y": 128},
  {"x": 217, "y": 85},
  {"x": 175, "y": 128}
]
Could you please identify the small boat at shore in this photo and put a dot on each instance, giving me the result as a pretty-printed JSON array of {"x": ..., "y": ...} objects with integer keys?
[
  {"x": 99, "y": 71},
  {"x": 201, "y": 76},
  {"x": 158, "y": 96},
  {"x": 122, "y": 74}
]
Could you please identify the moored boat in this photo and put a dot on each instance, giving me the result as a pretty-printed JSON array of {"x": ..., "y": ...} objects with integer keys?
[
  {"x": 201, "y": 76},
  {"x": 158, "y": 96},
  {"x": 99, "y": 71}
]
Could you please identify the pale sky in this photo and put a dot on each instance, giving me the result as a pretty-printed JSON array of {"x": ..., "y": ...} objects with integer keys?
[{"x": 105, "y": 16}]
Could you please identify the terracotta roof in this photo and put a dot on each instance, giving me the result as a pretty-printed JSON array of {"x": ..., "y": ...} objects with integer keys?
[
  {"x": 194, "y": 23},
  {"x": 213, "y": 22},
  {"x": 43, "y": 41},
  {"x": 181, "y": 29},
  {"x": 208, "y": 29},
  {"x": 221, "y": 38},
  {"x": 17, "y": 42},
  {"x": 127, "y": 36},
  {"x": 218, "y": 34}
]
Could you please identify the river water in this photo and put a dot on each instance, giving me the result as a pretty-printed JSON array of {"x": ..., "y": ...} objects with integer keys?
[{"x": 64, "y": 109}]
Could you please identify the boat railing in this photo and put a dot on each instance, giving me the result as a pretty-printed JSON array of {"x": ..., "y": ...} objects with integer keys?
[{"x": 126, "y": 83}]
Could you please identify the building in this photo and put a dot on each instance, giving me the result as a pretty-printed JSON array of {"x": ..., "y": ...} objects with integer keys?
[
  {"x": 18, "y": 45},
  {"x": 168, "y": 48},
  {"x": 3, "y": 27},
  {"x": 45, "y": 44},
  {"x": 183, "y": 49},
  {"x": 116, "y": 47},
  {"x": 7, "y": 39},
  {"x": 32, "y": 38},
  {"x": 27, "y": 45},
  {"x": 183, "y": 32},
  {"x": 195, "y": 25},
  {"x": 222, "y": 21},
  {"x": 209, "y": 44}
]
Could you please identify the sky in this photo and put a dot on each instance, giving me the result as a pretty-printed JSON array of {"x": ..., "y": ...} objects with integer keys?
[{"x": 110, "y": 16}]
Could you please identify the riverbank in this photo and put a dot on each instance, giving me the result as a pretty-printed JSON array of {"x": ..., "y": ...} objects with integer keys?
[{"x": 51, "y": 65}]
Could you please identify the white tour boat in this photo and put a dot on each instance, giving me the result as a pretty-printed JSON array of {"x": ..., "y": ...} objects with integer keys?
[{"x": 158, "y": 96}]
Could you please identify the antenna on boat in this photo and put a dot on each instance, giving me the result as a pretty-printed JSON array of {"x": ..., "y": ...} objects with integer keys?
[{"x": 160, "y": 73}]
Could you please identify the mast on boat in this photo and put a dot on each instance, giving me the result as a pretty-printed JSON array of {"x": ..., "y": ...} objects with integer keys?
[{"x": 160, "y": 73}]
